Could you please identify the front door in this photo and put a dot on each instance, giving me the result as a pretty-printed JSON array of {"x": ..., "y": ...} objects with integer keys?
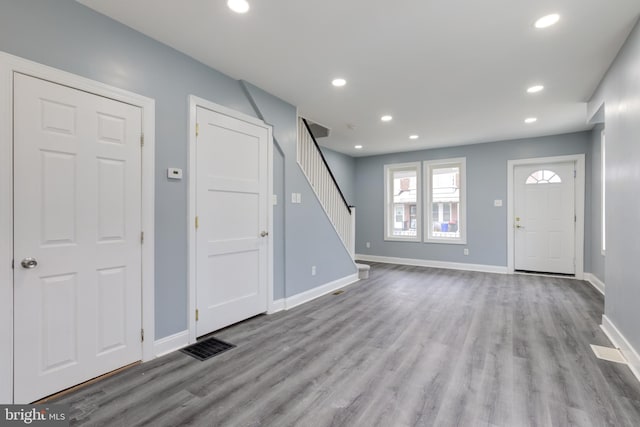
[
  {"x": 545, "y": 218},
  {"x": 77, "y": 250},
  {"x": 231, "y": 207}
]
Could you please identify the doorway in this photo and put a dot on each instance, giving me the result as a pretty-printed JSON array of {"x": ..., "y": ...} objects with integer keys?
[
  {"x": 77, "y": 193},
  {"x": 544, "y": 200},
  {"x": 77, "y": 251},
  {"x": 546, "y": 215},
  {"x": 231, "y": 245}
]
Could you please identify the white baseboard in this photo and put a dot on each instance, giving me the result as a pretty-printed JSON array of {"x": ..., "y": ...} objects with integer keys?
[
  {"x": 319, "y": 291},
  {"x": 434, "y": 264},
  {"x": 171, "y": 343},
  {"x": 276, "y": 306},
  {"x": 619, "y": 341},
  {"x": 595, "y": 282}
]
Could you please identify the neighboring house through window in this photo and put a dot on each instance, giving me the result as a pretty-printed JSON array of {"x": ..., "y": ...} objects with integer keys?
[
  {"x": 445, "y": 190},
  {"x": 402, "y": 202}
]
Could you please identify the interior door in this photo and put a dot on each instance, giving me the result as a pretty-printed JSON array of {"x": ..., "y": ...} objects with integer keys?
[
  {"x": 77, "y": 250},
  {"x": 231, "y": 205},
  {"x": 545, "y": 218}
]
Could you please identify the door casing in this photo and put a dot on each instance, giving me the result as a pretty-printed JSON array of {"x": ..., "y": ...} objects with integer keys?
[
  {"x": 195, "y": 102},
  {"x": 579, "y": 160},
  {"x": 9, "y": 64}
]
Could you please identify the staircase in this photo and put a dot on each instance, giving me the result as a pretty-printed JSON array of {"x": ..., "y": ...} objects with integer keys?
[{"x": 324, "y": 184}]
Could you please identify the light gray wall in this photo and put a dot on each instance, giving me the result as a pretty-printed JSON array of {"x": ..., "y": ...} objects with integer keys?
[
  {"x": 68, "y": 36},
  {"x": 486, "y": 182},
  {"x": 71, "y": 37},
  {"x": 278, "y": 224},
  {"x": 310, "y": 239},
  {"x": 619, "y": 91},
  {"x": 594, "y": 251},
  {"x": 343, "y": 168}
]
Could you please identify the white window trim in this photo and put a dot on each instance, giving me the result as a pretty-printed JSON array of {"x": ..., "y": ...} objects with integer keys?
[
  {"x": 389, "y": 216},
  {"x": 428, "y": 165},
  {"x": 603, "y": 194}
]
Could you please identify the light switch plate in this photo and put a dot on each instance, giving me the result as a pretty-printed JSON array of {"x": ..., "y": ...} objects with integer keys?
[{"x": 174, "y": 173}]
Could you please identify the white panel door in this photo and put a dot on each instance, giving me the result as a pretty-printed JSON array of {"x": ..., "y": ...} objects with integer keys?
[
  {"x": 545, "y": 218},
  {"x": 77, "y": 189},
  {"x": 231, "y": 205}
]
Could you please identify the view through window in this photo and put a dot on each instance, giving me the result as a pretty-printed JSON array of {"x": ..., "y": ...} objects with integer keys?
[
  {"x": 445, "y": 197},
  {"x": 402, "y": 201},
  {"x": 444, "y": 192}
]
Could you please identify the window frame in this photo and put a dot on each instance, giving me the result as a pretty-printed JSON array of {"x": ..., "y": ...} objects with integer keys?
[
  {"x": 389, "y": 209},
  {"x": 543, "y": 181},
  {"x": 603, "y": 194},
  {"x": 428, "y": 167}
]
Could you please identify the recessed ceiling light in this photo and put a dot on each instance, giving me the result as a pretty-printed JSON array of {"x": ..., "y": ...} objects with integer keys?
[
  {"x": 547, "y": 21},
  {"x": 238, "y": 6},
  {"x": 413, "y": 137},
  {"x": 386, "y": 118},
  {"x": 530, "y": 120},
  {"x": 338, "y": 82},
  {"x": 358, "y": 147},
  {"x": 536, "y": 88}
]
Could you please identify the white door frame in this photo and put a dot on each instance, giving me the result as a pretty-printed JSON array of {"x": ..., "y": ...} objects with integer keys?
[
  {"x": 195, "y": 102},
  {"x": 579, "y": 205},
  {"x": 9, "y": 64}
]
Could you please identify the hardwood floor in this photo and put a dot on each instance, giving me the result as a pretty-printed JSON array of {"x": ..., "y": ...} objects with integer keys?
[{"x": 409, "y": 346}]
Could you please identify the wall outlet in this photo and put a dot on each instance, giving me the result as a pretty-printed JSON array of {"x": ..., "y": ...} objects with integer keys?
[
  {"x": 368, "y": 244},
  {"x": 313, "y": 270},
  {"x": 497, "y": 203},
  {"x": 274, "y": 199},
  {"x": 466, "y": 251}
]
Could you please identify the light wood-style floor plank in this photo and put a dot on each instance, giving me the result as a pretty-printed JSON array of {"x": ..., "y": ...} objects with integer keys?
[{"x": 409, "y": 346}]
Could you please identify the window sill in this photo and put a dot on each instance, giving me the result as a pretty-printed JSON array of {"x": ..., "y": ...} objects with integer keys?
[
  {"x": 401, "y": 239},
  {"x": 446, "y": 241}
]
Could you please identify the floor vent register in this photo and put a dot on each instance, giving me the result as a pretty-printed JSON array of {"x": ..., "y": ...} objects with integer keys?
[
  {"x": 207, "y": 348},
  {"x": 609, "y": 354}
]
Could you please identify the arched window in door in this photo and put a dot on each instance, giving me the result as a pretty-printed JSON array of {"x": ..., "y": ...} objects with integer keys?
[{"x": 543, "y": 176}]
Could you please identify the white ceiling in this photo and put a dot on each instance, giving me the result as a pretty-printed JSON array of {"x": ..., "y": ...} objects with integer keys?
[{"x": 453, "y": 71}]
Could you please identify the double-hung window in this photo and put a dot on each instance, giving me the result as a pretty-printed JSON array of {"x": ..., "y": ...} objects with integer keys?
[
  {"x": 445, "y": 201},
  {"x": 444, "y": 190},
  {"x": 402, "y": 202}
]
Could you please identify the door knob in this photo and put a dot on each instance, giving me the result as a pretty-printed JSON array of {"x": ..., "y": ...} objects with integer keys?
[
  {"x": 29, "y": 263},
  {"x": 264, "y": 234},
  {"x": 519, "y": 226}
]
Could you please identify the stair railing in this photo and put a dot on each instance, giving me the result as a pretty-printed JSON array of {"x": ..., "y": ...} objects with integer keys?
[{"x": 324, "y": 184}]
